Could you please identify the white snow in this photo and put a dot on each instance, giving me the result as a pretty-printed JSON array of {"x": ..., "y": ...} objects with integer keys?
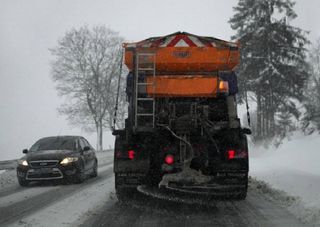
[
  {"x": 2, "y": 171},
  {"x": 8, "y": 179},
  {"x": 23, "y": 195},
  {"x": 293, "y": 168},
  {"x": 73, "y": 210}
]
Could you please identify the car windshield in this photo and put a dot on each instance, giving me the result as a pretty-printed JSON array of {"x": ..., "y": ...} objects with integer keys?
[{"x": 54, "y": 143}]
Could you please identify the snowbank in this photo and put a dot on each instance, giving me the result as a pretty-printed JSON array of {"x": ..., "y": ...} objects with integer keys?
[
  {"x": 8, "y": 178},
  {"x": 293, "y": 168}
]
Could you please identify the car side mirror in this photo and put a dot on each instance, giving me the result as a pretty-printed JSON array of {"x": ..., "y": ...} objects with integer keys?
[
  {"x": 25, "y": 151},
  {"x": 86, "y": 148},
  {"x": 246, "y": 131}
]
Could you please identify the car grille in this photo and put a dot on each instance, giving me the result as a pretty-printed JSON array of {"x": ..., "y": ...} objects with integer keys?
[
  {"x": 43, "y": 163},
  {"x": 44, "y": 174}
]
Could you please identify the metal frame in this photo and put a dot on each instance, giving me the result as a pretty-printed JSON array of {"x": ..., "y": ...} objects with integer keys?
[{"x": 137, "y": 85}]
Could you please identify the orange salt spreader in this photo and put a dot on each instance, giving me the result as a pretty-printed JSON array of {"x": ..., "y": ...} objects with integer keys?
[
  {"x": 182, "y": 136},
  {"x": 185, "y": 65}
]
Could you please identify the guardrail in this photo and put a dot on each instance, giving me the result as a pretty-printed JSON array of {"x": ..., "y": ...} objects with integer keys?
[{"x": 8, "y": 164}]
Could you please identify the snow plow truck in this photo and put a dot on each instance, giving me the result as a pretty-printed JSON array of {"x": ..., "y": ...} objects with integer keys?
[{"x": 182, "y": 133}]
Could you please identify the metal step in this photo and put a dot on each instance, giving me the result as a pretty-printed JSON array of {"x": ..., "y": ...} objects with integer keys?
[
  {"x": 145, "y": 99},
  {"x": 144, "y": 114},
  {"x": 145, "y": 69},
  {"x": 145, "y": 83},
  {"x": 146, "y": 54}
]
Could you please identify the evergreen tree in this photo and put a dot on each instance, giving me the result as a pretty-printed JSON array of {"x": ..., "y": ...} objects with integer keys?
[
  {"x": 273, "y": 63},
  {"x": 311, "y": 120}
]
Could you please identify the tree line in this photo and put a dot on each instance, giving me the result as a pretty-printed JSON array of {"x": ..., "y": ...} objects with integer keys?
[{"x": 277, "y": 71}]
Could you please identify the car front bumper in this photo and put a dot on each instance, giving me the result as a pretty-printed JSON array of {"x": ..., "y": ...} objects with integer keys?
[{"x": 47, "y": 173}]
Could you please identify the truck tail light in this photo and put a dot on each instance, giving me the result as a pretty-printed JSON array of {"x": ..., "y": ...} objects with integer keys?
[
  {"x": 131, "y": 154},
  {"x": 169, "y": 159},
  {"x": 231, "y": 154},
  {"x": 237, "y": 154}
]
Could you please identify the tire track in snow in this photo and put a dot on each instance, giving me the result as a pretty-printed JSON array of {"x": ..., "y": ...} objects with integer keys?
[
  {"x": 33, "y": 204},
  {"x": 255, "y": 211}
]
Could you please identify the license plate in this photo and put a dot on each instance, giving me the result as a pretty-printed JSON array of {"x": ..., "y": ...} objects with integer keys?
[{"x": 46, "y": 170}]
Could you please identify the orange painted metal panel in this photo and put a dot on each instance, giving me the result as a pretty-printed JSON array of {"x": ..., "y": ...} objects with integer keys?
[
  {"x": 182, "y": 86},
  {"x": 186, "y": 59}
]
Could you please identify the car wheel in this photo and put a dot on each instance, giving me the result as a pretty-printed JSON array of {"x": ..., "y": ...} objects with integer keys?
[
  {"x": 79, "y": 176},
  {"x": 23, "y": 182},
  {"x": 94, "y": 169}
]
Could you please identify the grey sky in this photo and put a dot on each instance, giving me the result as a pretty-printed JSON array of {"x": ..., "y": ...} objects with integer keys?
[{"x": 28, "y": 100}]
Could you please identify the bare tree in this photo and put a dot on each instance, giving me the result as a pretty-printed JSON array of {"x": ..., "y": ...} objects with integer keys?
[{"x": 86, "y": 70}]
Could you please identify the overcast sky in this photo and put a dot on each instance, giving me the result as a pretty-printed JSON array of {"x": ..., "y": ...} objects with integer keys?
[{"x": 28, "y": 100}]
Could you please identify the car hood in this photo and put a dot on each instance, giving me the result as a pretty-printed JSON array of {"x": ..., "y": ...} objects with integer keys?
[{"x": 49, "y": 155}]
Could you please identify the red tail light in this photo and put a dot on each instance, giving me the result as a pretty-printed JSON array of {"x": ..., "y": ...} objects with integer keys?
[
  {"x": 169, "y": 159},
  {"x": 131, "y": 154},
  {"x": 231, "y": 154}
]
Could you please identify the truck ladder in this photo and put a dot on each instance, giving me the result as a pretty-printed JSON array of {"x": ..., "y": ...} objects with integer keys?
[{"x": 144, "y": 104}]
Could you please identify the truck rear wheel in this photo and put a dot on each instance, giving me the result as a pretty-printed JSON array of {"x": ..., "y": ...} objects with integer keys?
[
  {"x": 243, "y": 192},
  {"x": 242, "y": 195},
  {"x": 124, "y": 193}
]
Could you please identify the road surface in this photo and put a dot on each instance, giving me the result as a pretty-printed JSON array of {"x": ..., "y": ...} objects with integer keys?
[{"x": 93, "y": 203}]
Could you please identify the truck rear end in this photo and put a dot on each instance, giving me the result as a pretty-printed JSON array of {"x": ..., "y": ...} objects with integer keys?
[{"x": 182, "y": 132}]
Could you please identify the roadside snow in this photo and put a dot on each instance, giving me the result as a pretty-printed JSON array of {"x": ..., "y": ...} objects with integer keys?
[
  {"x": 293, "y": 168},
  {"x": 7, "y": 179},
  {"x": 73, "y": 210}
]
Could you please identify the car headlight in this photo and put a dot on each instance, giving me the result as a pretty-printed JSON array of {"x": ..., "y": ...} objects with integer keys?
[
  {"x": 23, "y": 162},
  {"x": 68, "y": 160}
]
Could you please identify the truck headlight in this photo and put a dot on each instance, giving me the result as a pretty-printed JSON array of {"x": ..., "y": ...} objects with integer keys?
[
  {"x": 23, "y": 162},
  {"x": 68, "y": 160}
]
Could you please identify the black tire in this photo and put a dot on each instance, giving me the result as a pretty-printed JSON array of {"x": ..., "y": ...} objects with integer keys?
[
  {"x": 79, "y": 176},
  {"x": 242, "y": 195},
  {"x": 94, "y": 169},
  {"x": 243, "y": 192},
  {"x": 123, "y": 193},
  {"x": 23, "y": 182}
]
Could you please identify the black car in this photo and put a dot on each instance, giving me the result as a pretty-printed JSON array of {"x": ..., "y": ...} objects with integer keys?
[{"x": 60, "y": 157}]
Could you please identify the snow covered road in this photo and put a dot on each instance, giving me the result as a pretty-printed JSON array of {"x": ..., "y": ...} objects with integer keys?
[
  {"x": 256, "y": 210},
  {"x": 52, "y": 204},
  {"x": 93, "y": 203}
]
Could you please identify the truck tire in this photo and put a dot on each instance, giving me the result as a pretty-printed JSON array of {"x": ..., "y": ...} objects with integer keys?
[
  {"x": 243, "y": 192},
  {"x": 123, "y": 193},
  {"x": 242, "y": 195}
]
